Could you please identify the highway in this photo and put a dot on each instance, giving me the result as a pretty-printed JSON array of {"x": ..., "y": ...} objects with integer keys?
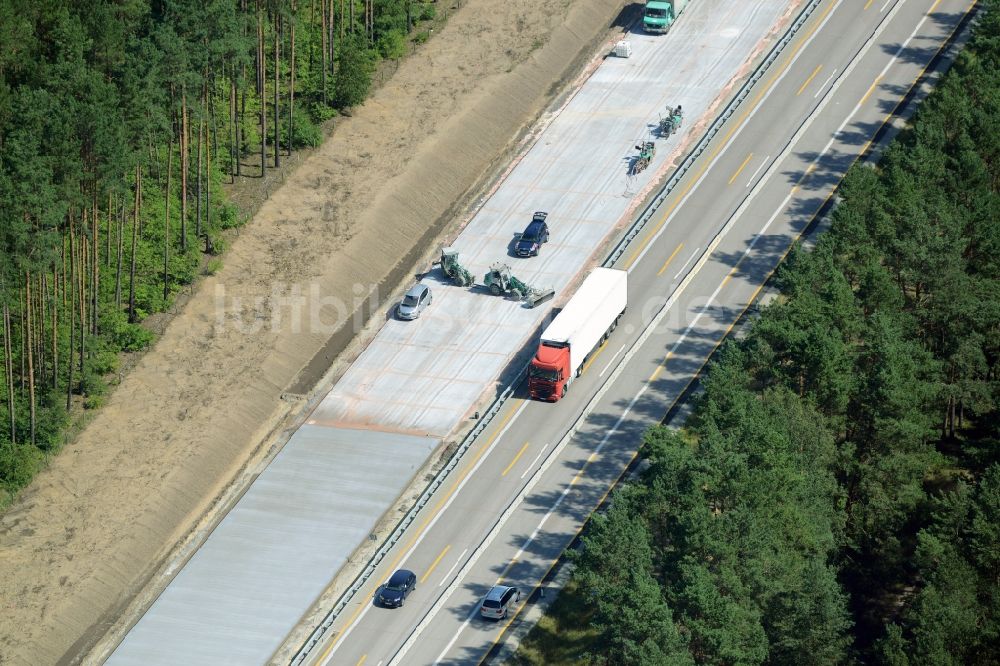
[{"x": 523, "y": 493}]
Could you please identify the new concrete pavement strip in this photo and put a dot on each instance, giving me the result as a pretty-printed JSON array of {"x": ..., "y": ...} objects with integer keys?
[{"x": 280, "y": 546}]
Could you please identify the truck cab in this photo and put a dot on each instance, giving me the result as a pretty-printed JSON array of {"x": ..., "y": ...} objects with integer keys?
[{"x": 549, "y": 373}]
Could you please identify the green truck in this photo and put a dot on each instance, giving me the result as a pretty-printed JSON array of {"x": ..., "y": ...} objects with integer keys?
[{"x": 661, "y": 14}]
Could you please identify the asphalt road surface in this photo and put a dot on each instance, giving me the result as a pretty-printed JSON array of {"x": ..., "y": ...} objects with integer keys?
[{"x": 525, "y": 490}]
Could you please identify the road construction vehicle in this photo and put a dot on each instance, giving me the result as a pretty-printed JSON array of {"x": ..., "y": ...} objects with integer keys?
[
  {"x": 500, "y": 281},
  {"x": 661, "y": 14},
  {"x": 576, "y": 332},
  {"x": 453, "y": 269},
  {"x": 671, "y": 122},
  {"x": 646, "y": 151}
]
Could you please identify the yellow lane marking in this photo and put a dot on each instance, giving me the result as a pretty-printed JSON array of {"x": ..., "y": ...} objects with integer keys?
[
  {"x": 732, "y": 130},
  {"x": 659, "y": 369},
  {"x": 809, "y": 80},
  {"x": 870, "y": 90},
  {"x": 753, "y": 297},
  {"x": 515, "y": 405},
  {"x": 742, "y": 166},
  {"x": 362, "y": 660},
  {"x": 667, "y": 262},
  {"x": 435, "y": 563},
  {"x": 811, "y": 168},
  {"x": 594, "y": 356},
  {"x": 869, "y": 4},
  {"x": 516, "y": 458}
]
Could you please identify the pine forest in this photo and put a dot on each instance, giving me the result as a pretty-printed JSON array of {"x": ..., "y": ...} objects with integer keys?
[{"x": 121, "y": 124}]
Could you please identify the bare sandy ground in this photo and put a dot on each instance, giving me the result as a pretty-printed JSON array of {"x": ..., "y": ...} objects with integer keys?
[{"x": 344, "y": 232}]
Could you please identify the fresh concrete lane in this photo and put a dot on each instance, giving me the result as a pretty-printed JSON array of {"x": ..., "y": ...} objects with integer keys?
[
  {"x": 227, "y": 599},
  {"x": 793, "y": 184},
  {"x": 425, "y": 377}
]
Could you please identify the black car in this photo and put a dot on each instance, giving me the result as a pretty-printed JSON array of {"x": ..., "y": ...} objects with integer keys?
[
  {"x": 393, "y": 593},
  {"x": 531, "y": 240}
]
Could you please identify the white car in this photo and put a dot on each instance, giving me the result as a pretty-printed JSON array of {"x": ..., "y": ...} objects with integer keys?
[
  {"x": 498, "y": 600},
  {"x": 416, "y": 299}
]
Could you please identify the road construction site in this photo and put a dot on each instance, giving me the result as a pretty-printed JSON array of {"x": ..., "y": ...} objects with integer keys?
[{"x": 418, "y": 382}]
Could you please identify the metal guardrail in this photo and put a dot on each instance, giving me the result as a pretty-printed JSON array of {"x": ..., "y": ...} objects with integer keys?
[
  {"x": 405, "y": 522},
  {"x": 710, "y": 134},
  {"x": 439, "y": 479}
]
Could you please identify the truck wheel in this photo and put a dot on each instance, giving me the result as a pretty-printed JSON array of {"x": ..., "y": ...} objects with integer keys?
[{"x": 495, "y": 289}]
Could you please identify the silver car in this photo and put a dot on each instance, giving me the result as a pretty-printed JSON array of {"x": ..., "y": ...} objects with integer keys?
[
  {"x": 414, "y": 302},
  {"x": 498, "y": 600}
]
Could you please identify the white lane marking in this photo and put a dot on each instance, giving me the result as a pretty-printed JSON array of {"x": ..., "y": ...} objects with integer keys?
[
  {"x": 549, "y": 513},
  {"x": 601, "y": 373},
  {"x": 762, "y": 165},
  {"x": 825, "y": 84},
  {"x": 496, "y": 440},
  {"x": 729, "y": 142},
  {"x": 448, "y": 574},
  {"x": 597, "y": 450},
  {"x": 887, "y": 3},
  {"x": 693, "y": 255},
  {"x": 532, "y": 465}
]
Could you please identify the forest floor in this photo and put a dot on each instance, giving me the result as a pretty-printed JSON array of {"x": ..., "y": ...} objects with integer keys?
[{"x": 240, "y": 355}]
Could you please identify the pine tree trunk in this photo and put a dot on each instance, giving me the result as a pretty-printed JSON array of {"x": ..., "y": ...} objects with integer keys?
[
  {"x": 8, "y": 366},
  {"x": 185, "y": 162},
  {"x": 120, "y": 255},
  {"x": 291, "y": 79},
  {"x": 197, "y": 184},
  {"x": 95, "y": 271},
  {"x": 55, "y": 330},
  {"x": 277, "y": 70},
  {"x": 135, "y": 238},
  {"x": 72, "y": 323},
  {"x": 234, "y": 161},
  {"x": 261, "y": 91},
  {"x": 40, "y": 314},
  {"x": 83, "y": 310},
  {"x": 29, "y": 346},
  {"x": 166, "y": 211},
  {"x": 107, "y": 249},
  {"x": 324, "y": 28},
  {"x": 208, "y": 183}
]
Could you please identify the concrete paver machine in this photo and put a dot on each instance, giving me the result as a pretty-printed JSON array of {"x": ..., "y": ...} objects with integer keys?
[
  {"x": 500, "y": 281},
  {"x": 458, "y": 273}
]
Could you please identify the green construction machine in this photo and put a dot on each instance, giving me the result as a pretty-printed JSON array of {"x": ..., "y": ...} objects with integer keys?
[
  {"x": 646, "y": 151},
  {"x": 458, "y": 273},
  {"x": 500, "y": 281},
  {"x": 671, "y": 122}
]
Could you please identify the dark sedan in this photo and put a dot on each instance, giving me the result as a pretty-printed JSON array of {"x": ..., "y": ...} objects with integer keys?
[
  {"x": 393, "y": 593},
  {"x": 533, "y": 237}
]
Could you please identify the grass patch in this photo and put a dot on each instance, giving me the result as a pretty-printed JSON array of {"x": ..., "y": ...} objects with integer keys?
[{"x": 563, "y": 635}]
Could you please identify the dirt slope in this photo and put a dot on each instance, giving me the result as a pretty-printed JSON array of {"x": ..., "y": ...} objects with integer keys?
[{"x": 91, "y": 531}]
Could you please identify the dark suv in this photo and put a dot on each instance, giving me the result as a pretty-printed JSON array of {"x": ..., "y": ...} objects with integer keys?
[
  {"x": 400, "y": 584},
  {"x": 531, "y": 240}
]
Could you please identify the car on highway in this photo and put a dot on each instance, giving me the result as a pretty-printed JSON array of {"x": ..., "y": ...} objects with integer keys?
[
  {"x": 498, "y": 600},
  {"x": 535, "y": 234},
  {"x": 400, "y": 584},
  {"x": 414, "y": 302}
]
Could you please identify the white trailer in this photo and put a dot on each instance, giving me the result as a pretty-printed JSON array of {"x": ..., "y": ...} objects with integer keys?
[{"x": 584, "y": 323}]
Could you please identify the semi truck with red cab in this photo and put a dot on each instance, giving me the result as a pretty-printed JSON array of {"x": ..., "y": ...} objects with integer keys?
[{"x": 577, "y": 331}]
